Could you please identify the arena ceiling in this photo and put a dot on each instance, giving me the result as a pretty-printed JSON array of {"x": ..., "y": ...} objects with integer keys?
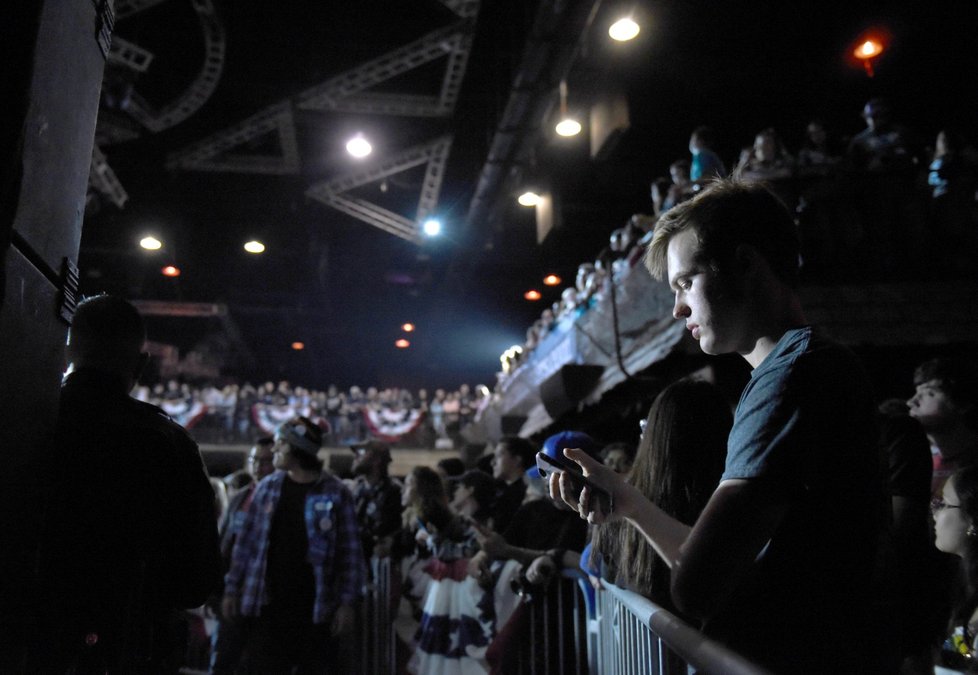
[{"x": 226, "y": 121}]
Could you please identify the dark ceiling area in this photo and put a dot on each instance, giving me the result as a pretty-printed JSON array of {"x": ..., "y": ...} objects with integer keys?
[{"x": 233, "y": 126}]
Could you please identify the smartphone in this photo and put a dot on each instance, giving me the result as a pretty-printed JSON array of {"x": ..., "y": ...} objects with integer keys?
[{"x": 547, "y": 465}]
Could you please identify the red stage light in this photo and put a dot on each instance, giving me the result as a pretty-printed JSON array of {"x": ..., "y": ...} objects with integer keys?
[
  {"x": 171, "y": 271},
  {"x": 532, "y": 295}
]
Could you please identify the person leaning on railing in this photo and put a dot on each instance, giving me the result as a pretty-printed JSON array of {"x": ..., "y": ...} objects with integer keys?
[{"x": 780, "y": 563}]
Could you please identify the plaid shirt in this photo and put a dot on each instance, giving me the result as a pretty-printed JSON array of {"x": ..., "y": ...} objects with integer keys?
[{"x": 334, "y": 547}]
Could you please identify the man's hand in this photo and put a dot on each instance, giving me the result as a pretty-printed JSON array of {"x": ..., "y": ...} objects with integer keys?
[
  {"x": 541, "y": 570},
  {"x": 342, "y": 621},
  {"x": 478, "y": 568},
  {"x": 229, "y": 606},
  {"x": 562, "y": 488}
]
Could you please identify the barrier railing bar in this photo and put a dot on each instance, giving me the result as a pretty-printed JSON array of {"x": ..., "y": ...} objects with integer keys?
[{"x": 698, "y": 651}]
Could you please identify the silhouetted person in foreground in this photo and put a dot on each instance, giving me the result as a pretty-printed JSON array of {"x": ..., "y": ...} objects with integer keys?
[{"x": 128, "y": 535}]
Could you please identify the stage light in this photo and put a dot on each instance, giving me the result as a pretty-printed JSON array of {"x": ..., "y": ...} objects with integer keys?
[
  {"x": 402, "y": 344},
  {"x": 528, "y": 198},
  {"x": 868, "y": 49},
  {"x": 623, "y": 29},
  {"x": 532, "y": 295},
  {"x": 254, "y": 246},
  {"x": 551, "y": 280},
  {"x": 298, "y": 346},
  {"x": 568, "y": 127},
  {"x": 408, "y": 327},
  {"x": 151, "y": 243},
  {"x": 171, "y": 271},
  {"x": 359, "y": 147},
  {"x": 432, "y": 227}
]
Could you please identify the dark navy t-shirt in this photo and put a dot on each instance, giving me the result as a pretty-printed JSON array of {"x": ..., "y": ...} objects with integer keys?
[{"x": 805, "y": 431}]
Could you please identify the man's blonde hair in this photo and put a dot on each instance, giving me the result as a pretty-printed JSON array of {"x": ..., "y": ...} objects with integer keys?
[{"x": 725, "y": 215}]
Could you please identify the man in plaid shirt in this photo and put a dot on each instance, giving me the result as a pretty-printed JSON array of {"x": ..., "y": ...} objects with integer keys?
[{"x": 297, "y": 566}]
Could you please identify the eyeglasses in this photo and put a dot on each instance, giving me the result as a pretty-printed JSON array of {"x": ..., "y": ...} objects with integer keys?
[{"x": 938, "y": 504}]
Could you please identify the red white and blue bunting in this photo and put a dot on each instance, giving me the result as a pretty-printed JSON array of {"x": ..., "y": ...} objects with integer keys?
[
  {"x": 390, "y": 425},
  {"x": 184, "y": 412}
]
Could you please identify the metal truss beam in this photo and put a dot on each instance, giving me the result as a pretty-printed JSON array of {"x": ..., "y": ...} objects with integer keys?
[
  {"x": 103, "y": 178},
  {"x": 164, "y": 308},
  {"x": 372, "y": 214},
  {"x": 209, "y": 154},
  {"x": 203, "y": 86},
  {"x": 433, "y": 154},
  {"x": 125, "y": 53},
  {"x": 346, "y": 91}
]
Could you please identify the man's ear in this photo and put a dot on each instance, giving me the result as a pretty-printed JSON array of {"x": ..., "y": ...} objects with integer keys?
[{"x": 749, "y": 260}]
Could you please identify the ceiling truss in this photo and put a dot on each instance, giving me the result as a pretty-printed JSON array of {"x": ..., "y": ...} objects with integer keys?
[
  {"x": 355, "y": 90},
  {"x": 434, "y": 155},
  {"x": 211, "y": 154}
]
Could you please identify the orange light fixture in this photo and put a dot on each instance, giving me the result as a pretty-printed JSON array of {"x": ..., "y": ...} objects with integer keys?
[
  {"x": 402, "y": 344},
  {"x": 407, "y": 327},
  {"x": 869, "y": 49},
  {"x": 171, "y": 271},
  {"x": 298, "y": 346},
  {"x": 869, "y": 46},
  {"x": 532, "y": 295},
  {"x": 551, "y": 280}
]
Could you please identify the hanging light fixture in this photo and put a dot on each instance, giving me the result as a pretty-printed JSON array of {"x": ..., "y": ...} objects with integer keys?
[
  {"x": 624, "y": 29},
  {"x": 567, "y": 126}
]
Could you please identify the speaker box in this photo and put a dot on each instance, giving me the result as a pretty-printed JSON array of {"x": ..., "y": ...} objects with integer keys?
[{"x": 564, "y": 389}]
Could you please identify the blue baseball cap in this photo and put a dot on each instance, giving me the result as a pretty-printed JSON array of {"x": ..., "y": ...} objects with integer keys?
[{"x": 554, "y": 446}]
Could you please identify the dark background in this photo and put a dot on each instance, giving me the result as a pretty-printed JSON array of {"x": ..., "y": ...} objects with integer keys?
[{"x": 344, "y": 288}]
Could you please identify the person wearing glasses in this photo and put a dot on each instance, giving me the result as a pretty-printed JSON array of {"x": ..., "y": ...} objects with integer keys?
[{"x": 956, "y": 532}]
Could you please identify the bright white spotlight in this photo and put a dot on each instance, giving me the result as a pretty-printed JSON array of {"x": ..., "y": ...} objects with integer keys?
[
  {"x": 254, "y": 246},
  {"x": 358, "y": 146},
  {"x": 528, "y": 199},
  {"x": 432, "y": 227},
  {"x": 568, "y": 127},
  {"x": 623, "y": 29},
  {"x": 151, "y": 243}
]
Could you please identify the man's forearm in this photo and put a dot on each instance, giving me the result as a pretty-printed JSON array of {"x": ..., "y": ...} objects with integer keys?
[{"x": 665, "y": 534}]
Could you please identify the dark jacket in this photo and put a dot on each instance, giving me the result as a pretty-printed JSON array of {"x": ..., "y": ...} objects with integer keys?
[{"x": 129, "y": 529}]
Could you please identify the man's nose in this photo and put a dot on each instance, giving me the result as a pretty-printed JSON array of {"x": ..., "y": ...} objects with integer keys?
[{"x": 680, "y": 309}]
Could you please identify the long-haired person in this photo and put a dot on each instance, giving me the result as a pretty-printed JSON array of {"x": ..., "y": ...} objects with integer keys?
[
  {"x": 677, "y": 466},
  {"x": 454, "y": 630}
]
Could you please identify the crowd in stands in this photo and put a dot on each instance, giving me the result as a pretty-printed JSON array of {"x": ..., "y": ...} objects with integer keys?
[
  {"x": 239, "y": 413},
  {"x": 879, "y": 206}
]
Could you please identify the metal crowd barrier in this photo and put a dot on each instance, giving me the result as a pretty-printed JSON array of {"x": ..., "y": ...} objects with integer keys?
[
  {"x": 634, "y": 635},
  {"x": 570, "y": 630},
  {"x": 377, "y": 651}
]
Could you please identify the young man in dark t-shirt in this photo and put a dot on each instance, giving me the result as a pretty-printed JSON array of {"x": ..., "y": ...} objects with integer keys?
[{"x": 779, "y": 566}]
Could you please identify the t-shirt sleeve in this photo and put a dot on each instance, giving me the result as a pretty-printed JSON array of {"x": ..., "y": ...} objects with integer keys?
[{"x": 768, "y": 435}]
